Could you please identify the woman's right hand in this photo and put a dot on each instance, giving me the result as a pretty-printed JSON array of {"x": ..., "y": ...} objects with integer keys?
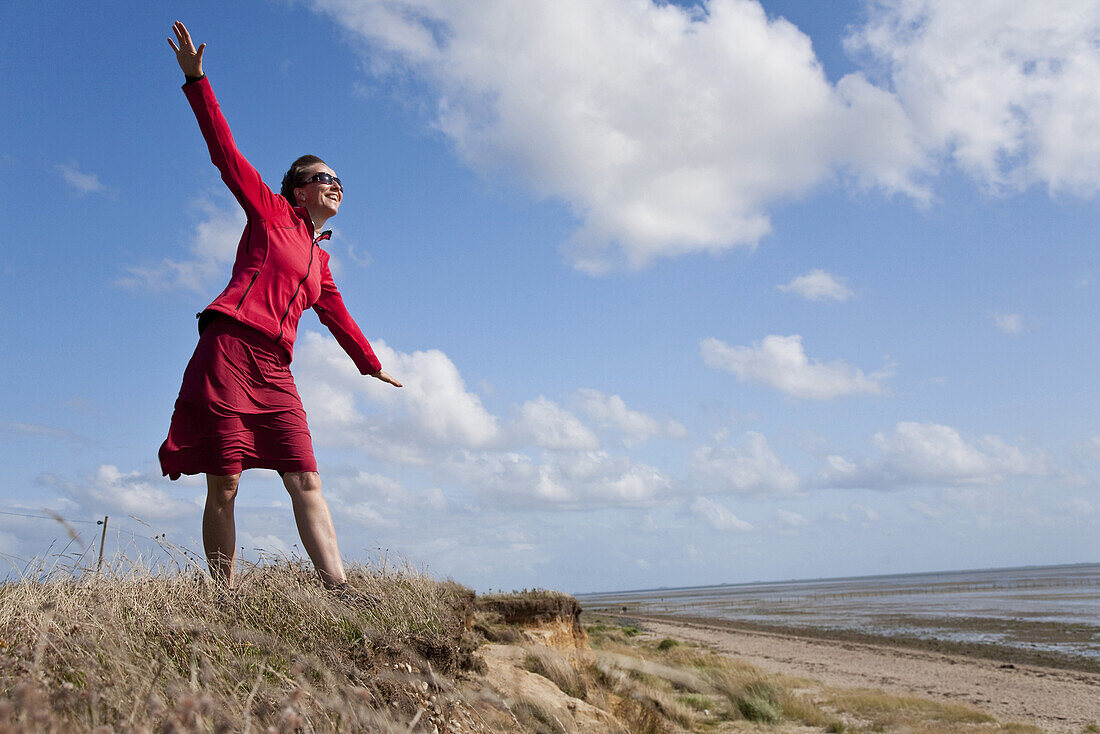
[
  {"x": 385, "y": 377},
  {"x": 189, "y": 59}
]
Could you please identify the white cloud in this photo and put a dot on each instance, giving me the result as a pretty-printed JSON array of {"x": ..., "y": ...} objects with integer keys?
[
  {"x": 930, "y": 454},
  {"x": 268, "y": 544},
  {"x": 435, "y": 420},
  {"x": 1009, "y": 323},
  {"x": 667, "y": 130},
  {"x": 84, "y": 183},
  {"x": 550, "y": 426},
  {"x": 791, "y": 519},
  {"x": 1006, "y": 88},
  {"x": 717, "y": 516},
  {"x": 433, "y": 410},
  {"x": 611, "y": 411},
  {"x": 818, "y": 285},
  {"x": 781, "y": 362},
  {"x": 434, "y": 500},
  {"x": 752, "y": 469},
  {"x": 131, "y": 493},
  {"x": 212, "y": 249},
  {"x": 567, "y": 479}
]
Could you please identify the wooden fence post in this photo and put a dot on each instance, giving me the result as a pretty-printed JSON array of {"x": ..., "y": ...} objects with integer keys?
[{"x": 102, "y": 541}]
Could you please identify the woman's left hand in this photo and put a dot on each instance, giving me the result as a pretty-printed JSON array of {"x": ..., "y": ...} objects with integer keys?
[{"x": 385, "y": 377}]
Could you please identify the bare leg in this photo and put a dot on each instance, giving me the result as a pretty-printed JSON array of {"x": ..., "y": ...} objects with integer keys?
[
  {"x": 219, "y": 532},
  {"x": 315, "y": 525}
]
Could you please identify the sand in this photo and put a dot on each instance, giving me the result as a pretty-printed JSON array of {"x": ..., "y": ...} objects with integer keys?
[{"x": 1056, "y": 700}]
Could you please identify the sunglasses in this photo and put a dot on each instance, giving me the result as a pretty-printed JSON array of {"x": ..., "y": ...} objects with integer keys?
[{"x": 325, "y": 178}]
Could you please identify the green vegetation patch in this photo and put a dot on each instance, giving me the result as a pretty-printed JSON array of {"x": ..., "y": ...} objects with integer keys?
[{"x": 759, "y": 701}]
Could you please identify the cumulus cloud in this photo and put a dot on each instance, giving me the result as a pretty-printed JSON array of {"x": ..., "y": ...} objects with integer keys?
[
  {"x": 1009, "y": 323},
  {"x": 434, "y": 409},
  {"x": 750, "y": 469},
  {"x": 666, "y": 129},
  {"x": 930, "y": 454},
  {"x": 268, "y": 544},
  {"x": 780, "y": 362},
  {"x": 717, "y": 516},
  {"x": 611, "y": 411},
  {"x": 566, "y": 479},
  {"x": 212, "y": 249},
  {"x": 113, "y": 492},
  {"x": 550, "y": 426},
  {"x": 84, "y": 183},
  {"x": 544, "y": 456},
  {"x": 818, "y": 285},
  {"x": 1005, "y": 88}
]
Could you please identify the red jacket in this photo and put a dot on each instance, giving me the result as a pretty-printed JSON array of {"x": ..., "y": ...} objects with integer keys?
[{"x": 280, "y": 270}]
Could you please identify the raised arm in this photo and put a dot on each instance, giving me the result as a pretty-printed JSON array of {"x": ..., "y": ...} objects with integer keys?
[{"x": 238, "y": 174}]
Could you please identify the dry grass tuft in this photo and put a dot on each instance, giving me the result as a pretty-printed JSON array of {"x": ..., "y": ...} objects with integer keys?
[
  {"x": 135, "y": 651},
  {"x": 536, "y": 717},
  {"x": 884, "y": 710},
  {"x": 759, "y": 701},
  {"x": 552, "y": 665}
]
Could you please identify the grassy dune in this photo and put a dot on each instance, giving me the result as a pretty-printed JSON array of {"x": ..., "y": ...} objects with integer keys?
[{"x": 142, "y": 652}]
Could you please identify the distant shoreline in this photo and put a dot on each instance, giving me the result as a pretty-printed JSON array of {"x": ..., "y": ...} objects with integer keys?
[
  {"x": 1003, "y": 654},
  {"x": 582, "y": 596}
]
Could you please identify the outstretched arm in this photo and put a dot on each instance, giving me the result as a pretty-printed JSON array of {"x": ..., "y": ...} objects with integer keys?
[
  {"x": 334, "y": 314},
  {"x": 238, "y": 174}
]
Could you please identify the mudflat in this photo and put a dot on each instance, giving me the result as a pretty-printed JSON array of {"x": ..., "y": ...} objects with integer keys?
[{"x": 1054, "y": 699}]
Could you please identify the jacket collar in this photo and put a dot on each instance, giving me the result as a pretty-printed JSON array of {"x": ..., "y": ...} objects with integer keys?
[{"x": 303, "y": 214}]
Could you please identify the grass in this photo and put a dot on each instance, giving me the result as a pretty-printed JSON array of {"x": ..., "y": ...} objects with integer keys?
[
  {"x": 140, "y": 650},
  {"x": 692, "y": 688},
  {"x": 555, "y": 667},
  {"x": 759, "y": 701}
]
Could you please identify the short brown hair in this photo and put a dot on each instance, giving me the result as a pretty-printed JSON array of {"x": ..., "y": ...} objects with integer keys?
[{"x": 294, "y": 176}]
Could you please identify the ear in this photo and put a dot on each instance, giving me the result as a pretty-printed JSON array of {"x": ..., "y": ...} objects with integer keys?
[{"x": 299, "y": 196}]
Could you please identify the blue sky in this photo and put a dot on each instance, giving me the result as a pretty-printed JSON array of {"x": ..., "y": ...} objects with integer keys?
[{"x": 681, "y": 294}]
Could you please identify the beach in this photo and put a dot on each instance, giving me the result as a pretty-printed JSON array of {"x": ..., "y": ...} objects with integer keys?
[{"x": 1054, "y": 699}]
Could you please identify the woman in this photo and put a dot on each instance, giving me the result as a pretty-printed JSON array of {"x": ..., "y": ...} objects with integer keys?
[{"x": 238, "y": 407}]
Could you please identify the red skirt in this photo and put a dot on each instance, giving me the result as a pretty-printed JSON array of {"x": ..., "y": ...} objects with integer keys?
[{"x": 238, "y": 408}]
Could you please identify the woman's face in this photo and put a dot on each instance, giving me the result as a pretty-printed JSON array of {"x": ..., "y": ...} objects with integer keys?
[{"x": 317, "y": 196}]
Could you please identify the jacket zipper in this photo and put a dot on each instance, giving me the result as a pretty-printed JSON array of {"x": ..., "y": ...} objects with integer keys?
[
  {"x": 295, "y": 295},
  {"x": 249, "y": 288}
]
